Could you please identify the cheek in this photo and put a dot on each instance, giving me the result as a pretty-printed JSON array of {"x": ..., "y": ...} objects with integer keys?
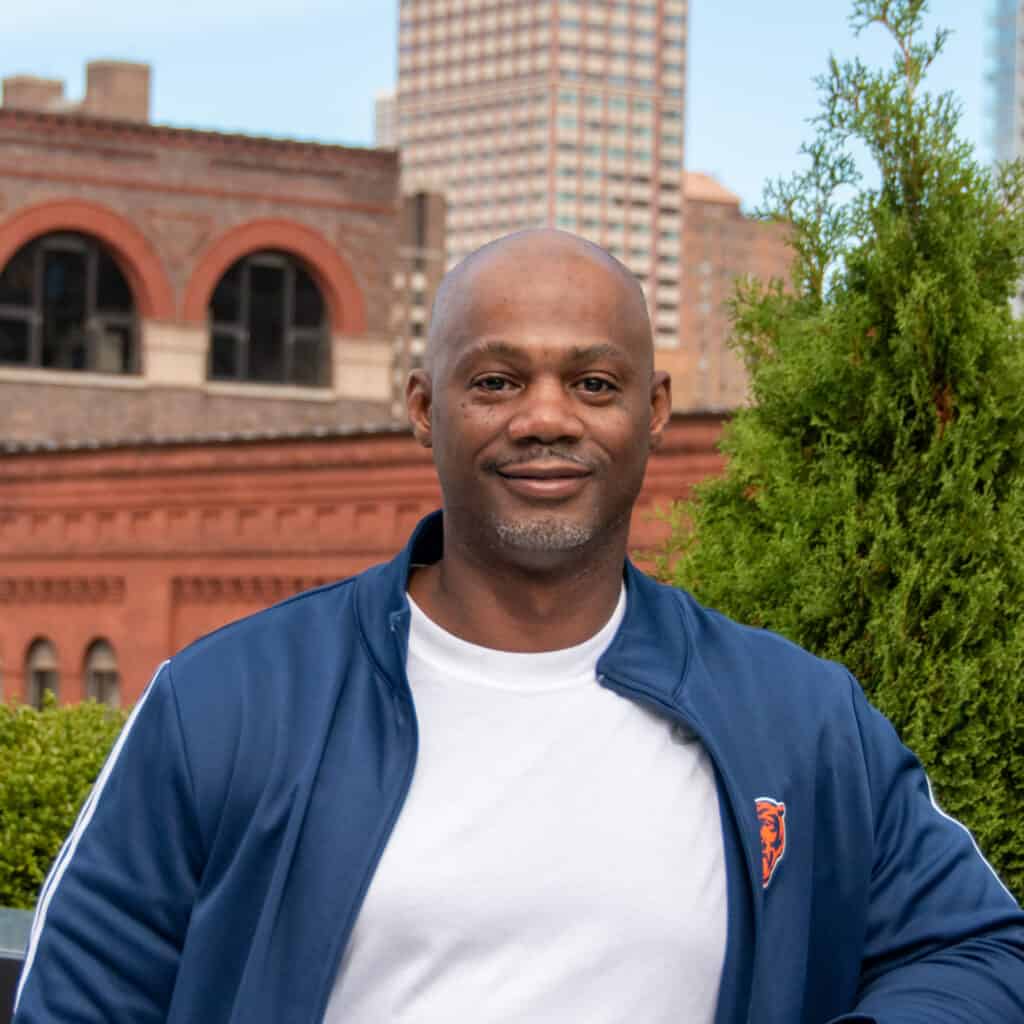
[{"x": 466, "y": 425}]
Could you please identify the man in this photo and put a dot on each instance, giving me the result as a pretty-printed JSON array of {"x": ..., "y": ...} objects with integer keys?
[{"x": 506, "y": 777}]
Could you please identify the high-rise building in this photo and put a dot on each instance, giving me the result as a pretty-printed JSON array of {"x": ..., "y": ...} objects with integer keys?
[
  {"x": 720, "y": 244},
  {"x": 385, "y": 130},
  {"x": 418, "y": 272},
  {"x": 1006, "y": 79},
  {"x": 565, "y": 113}
]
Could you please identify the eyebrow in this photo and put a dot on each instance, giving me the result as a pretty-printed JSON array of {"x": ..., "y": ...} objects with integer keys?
[{"x": 506, "y": 350}]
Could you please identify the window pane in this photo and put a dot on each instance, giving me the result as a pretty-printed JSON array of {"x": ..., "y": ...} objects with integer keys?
[
  {"x": 268, "y": 317},
  {"x": 266, "y": 323},
  {"x": 226, "y": 304},
  {"x": 42, "y": 680},
  {"x": 103, "y": 687},
  {"x": 224, "y": 357},
  {"x": 113, "y": 348},
  {"x": 307, "y": 360},
  {"x": 14, "y": 341},
  {"x": 112, "y": 292},
  {"x": 309, "y": 306},
  {"x": 16, "y": 279},
  {"x": 64, "y": 310}
]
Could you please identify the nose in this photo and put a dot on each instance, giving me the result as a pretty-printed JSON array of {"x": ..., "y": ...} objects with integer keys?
[{"x": 546, "y": 414}]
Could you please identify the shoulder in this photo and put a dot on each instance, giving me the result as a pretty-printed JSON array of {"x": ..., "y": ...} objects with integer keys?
[
  {"x": 267, "y": 632},
  {"x": 275, "y": 670},
  {"x": 760, "y": 673},
  {"x": 297, "y": 613},
  {"x": 254, "y": 698}
]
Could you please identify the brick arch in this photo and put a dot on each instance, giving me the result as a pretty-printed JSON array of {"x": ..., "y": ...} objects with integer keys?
[
  {"x": 132, "y": 251},
  {"x": 345, "y": 304}
]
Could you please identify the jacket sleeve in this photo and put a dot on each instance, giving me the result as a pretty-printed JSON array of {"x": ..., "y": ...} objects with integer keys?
[
  {"x": 945, "y": 939},
  {"x": 112, "y": 915}
]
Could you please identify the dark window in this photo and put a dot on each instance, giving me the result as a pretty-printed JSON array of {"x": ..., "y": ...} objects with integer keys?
[
  {"x": 65, "y": 305},
  {"x": 268, "y": 323},
  {"x": 421, "y": 220},
  {"x": 102, "y": 679},
  {"x": 41, "y": 672}
]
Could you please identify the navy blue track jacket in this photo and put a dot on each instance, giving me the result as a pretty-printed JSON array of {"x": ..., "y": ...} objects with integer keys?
[{"x": 216, "y": 870}]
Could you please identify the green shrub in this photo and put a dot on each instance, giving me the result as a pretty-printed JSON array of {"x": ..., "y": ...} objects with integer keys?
[
  {"x": 873, "y": 505},
  {"x": 49, "y": 759}
]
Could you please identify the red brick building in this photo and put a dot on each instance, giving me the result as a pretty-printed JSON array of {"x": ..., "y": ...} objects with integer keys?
[
  {"x": 720, "y": 244},
  {"x": 161, "y": 282},
  {"x": 112, "y": 558}
]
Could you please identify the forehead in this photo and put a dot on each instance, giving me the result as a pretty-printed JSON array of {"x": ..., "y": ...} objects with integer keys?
[{"x": 553, "y": 300}]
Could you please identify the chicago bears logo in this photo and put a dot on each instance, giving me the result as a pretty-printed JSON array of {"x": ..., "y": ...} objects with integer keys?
[{"x": 771, "y": 817}]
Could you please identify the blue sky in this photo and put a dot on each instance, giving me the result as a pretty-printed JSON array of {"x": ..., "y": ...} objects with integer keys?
[{"x": 310, "y": 69}]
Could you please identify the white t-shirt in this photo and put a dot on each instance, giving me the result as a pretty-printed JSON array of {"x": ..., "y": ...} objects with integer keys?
[{"x": 559, "y": 856}]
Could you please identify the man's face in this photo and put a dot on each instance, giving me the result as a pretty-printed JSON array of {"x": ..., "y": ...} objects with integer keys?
[{"x": 541, "y": 406}]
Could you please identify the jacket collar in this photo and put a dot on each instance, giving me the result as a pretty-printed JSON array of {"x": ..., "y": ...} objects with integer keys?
[{"x": 650, "y": 638}]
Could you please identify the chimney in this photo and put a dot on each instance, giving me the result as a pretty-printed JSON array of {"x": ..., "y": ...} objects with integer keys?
[
  {"x": 117, "y": 89},
  {"x": 28, "y": 92}
]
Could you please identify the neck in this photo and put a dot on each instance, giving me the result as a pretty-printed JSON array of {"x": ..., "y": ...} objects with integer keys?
[{"x": 511, "y": 607}]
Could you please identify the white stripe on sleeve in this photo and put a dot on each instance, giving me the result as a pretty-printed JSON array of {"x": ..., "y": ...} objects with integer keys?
[
  {"x": 67, "y": 851},
  {"x": 970, "y": 835}
]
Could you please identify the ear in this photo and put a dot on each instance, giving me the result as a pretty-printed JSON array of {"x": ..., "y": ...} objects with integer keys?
[
  {"x": 418, "y": 397},
  {"x": 661, "y": 405}
]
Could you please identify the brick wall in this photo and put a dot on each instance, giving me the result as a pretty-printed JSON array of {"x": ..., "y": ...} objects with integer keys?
[
  {"x": 720, "y": 243},
  {"x": 149, "y": 546},
  {"x": 175, "y": 208}
]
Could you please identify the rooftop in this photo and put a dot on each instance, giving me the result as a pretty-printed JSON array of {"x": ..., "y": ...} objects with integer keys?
[{"x": 705, "y": 189}]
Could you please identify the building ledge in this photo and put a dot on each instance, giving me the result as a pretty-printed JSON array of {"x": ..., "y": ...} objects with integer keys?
[{"x": 72, "y": 378}]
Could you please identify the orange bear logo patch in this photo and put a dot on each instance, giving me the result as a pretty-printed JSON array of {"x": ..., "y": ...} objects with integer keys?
[{"x": 771, "y": 816}]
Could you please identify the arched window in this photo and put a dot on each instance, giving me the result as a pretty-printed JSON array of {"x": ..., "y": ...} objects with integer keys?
[
  {"x": 41, "y": 672},
  {"x": 268, "y": 323},
  {"x": 65, "y": 305},
  {"x": 102, "y": 680}
]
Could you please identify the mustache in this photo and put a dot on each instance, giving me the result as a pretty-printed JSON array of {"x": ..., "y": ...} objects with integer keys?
[{"x": 545, "y": 453}]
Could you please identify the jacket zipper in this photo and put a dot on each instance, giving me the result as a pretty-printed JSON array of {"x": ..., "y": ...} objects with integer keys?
[
  {"x": 617, "y": 686},
  {"x": 674, "y": 714},
  {"x": 371, "y": 868}
]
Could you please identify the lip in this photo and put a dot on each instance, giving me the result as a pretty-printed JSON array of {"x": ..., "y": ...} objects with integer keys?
[
  {"x": 543, "y": 470},
  {"x": 545, "y": 480}
]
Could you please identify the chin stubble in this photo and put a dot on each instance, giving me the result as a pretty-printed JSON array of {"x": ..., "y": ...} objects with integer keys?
[{"x": 546, "y": 534}]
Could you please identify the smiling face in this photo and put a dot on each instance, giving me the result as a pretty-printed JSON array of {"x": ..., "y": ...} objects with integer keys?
[{"x": 539, "y": 400}]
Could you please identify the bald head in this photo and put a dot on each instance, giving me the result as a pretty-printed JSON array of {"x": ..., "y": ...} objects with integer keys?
[{"x": 547, "y": 269}]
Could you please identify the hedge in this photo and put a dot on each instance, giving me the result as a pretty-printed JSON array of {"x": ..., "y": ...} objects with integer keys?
[{"x": 50, "y": 759}]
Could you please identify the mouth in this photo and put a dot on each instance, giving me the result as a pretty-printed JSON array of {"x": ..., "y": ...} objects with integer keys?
[{"x": 545, "y": 479}]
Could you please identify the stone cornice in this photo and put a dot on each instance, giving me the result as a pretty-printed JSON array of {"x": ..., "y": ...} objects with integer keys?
[{"x": 73, "y": 126}]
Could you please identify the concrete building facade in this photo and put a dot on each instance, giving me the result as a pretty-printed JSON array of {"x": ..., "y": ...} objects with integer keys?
[
  {"x": 552, "y": 112},
  {"x": 1006, "y": 79},
  {"x": 418, "y": 272},
  {"x": 385, "y": 120},
  {"x": 161, "y": 282}
]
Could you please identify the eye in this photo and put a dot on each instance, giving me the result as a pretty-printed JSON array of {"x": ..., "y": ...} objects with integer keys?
[
  {"x": 596, "y": 385},
  {"x": 492, "y": 382}
]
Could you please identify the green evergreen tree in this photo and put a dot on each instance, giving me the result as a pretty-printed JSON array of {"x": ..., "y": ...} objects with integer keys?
[{"x": 872, "y": 509}]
